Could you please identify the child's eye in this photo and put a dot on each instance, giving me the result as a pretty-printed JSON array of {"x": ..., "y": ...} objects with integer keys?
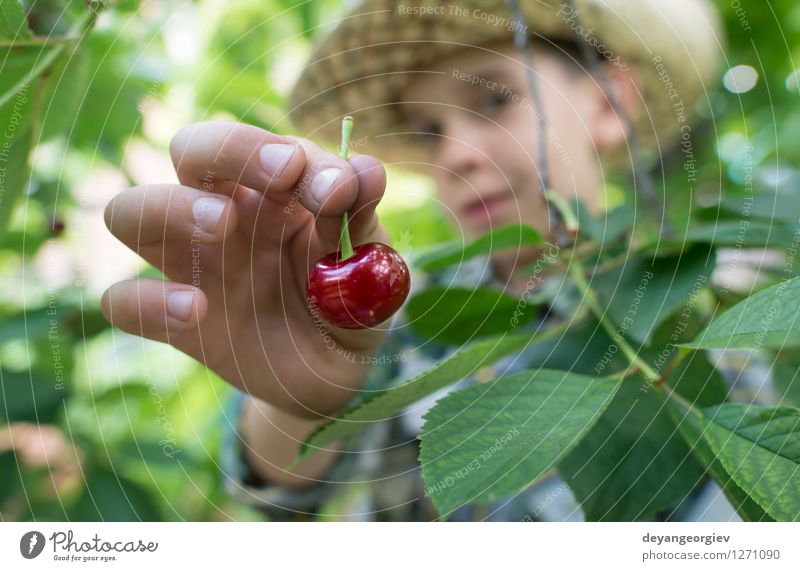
[
  {"x": 428, "y": 131},
  {"x": 493, "y": 102}
]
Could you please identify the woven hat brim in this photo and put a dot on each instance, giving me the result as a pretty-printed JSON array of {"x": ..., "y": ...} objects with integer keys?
[{"x": 359, "y": 68}]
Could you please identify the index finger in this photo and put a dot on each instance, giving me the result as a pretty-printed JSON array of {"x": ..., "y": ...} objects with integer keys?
[
  {"x": 226, "y": 150},
  {"x": 283, "y": 167}
]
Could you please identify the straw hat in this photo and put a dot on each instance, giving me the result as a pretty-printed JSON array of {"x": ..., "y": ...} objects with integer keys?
[{"x": 361, "y": 65}]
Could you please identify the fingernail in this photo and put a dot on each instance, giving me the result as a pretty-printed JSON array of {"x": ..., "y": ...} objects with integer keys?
[
  {"x": 275, "y": 157},
  {"x": 179, "y": 304},
  {"x": 323, "y": 182},
  {"x": 208, "y": 212}
]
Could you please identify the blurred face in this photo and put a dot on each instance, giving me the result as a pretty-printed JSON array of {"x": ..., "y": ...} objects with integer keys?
[{"x": 480, "y": 131}]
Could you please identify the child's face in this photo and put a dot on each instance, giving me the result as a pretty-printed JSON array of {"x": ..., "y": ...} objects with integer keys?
[{"x": 484, "y": 134}]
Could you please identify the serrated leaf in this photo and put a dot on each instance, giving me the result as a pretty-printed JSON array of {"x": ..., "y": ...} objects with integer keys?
[
  {"x": 691, "y": 427},
  {"x": 13, "y": 22},
  {"x": 760, "y": 448},
  {"x": 738, "y": 233},
  {"x": 460, "y": 315},
  {"x": 786, "y": 380},
  {"x": 641, "y": 293},
  {"x": 767, "y": 320},
  {"x": 633, "y": 463},
  {"x": 490, "y": 440},
  {"x": 504, "y": 238},
  {"x": 388, "y": 403}
]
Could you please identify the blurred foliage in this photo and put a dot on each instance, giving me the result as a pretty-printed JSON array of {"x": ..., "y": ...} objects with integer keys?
[{"x": 83, "y": 83}]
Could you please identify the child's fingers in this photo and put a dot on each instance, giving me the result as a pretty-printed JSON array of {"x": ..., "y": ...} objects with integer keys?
[
  {"x": 154, "y": 213},
  {"x": 287, "y": 169},
  {"x": 151, "y": 308},
  {"x": 369, "y": 183},
  {"x": 371, "y": 186},
  {"x": 224, "y": 150},
  {"x": 328, "y": 185}
]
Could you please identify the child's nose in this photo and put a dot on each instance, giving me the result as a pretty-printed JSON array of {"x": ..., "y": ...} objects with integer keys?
[{"x": 462, "y": 148}]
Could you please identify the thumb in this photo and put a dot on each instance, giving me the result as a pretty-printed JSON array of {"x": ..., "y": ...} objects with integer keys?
[{"x": 152, "y": 308}]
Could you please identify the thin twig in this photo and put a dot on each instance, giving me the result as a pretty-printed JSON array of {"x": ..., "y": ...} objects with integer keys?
[
  {"x": 38, "y": 41},
  {"x": 641, "y": 175},
  {"x": 522, "y": 43}
]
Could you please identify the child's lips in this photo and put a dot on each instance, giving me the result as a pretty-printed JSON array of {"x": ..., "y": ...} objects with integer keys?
[{"x": 486, "y": 208}]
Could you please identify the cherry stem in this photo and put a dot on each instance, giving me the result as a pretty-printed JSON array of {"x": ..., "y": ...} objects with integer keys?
[
  {"x": 346, "y": 250},
  {"x": 567, "y": 215}
]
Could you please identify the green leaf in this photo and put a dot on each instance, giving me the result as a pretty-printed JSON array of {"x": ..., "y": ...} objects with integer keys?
[
  {"x": 388, "y": 403},
  {"x": 633, "y": 463},
  {"x": 619, "y": 469},
  {"x": 459, "y": 315},
  {"x": 21, "y": 66},
  {"x": 786, "y": 380},
  {"x": 641, "y": 293},
  {"x": 14, "y": 151},
  {"x": 9, "y": 475},
  {"x": 36, "y": 323},
  {"x": 504, "y": 238},
  {"x": 63, "y": 94},
  {"x": 149, "y": 452},
  {"x": 26, "y": 325},
  {"x": 111, "y": 497},
  {"x": 490, "y": 440},
  {"x": 584, "y": 348},
  {"x": 691, "y": 427},
  {"x": 17, "y": 94},
  {"x": 738, "y": 233},
  {"x": 608, "y": 227},
  {"x": 54, "y": 18},
  {"x": 783, "y": 205},
  {"x": 13, "y": 22},
  {"x": 698, "y": 381},
  {"x": 760, "y": 448},
  {"x": 30, "y": 397},
  {"x": 766, "y": 320},
  {"x": 111, "y": 109},
  {"x": 305, "y": 12}
]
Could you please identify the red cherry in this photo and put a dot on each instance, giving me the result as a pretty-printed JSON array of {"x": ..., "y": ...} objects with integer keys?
[
  {"x": 361, "y": 291},
  {"x": 56, "y": 226}
]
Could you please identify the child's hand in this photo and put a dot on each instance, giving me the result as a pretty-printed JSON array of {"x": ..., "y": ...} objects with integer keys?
[{"x": 237, "y": 237}]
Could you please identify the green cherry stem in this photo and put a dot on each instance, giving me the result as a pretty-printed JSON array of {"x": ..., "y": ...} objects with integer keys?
[
  {"x": 590, "y": 297},
  {"x": 567, "y": 215},
  {"x": 346, "y": 245},
  {"x": 570, "y": 221}
]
